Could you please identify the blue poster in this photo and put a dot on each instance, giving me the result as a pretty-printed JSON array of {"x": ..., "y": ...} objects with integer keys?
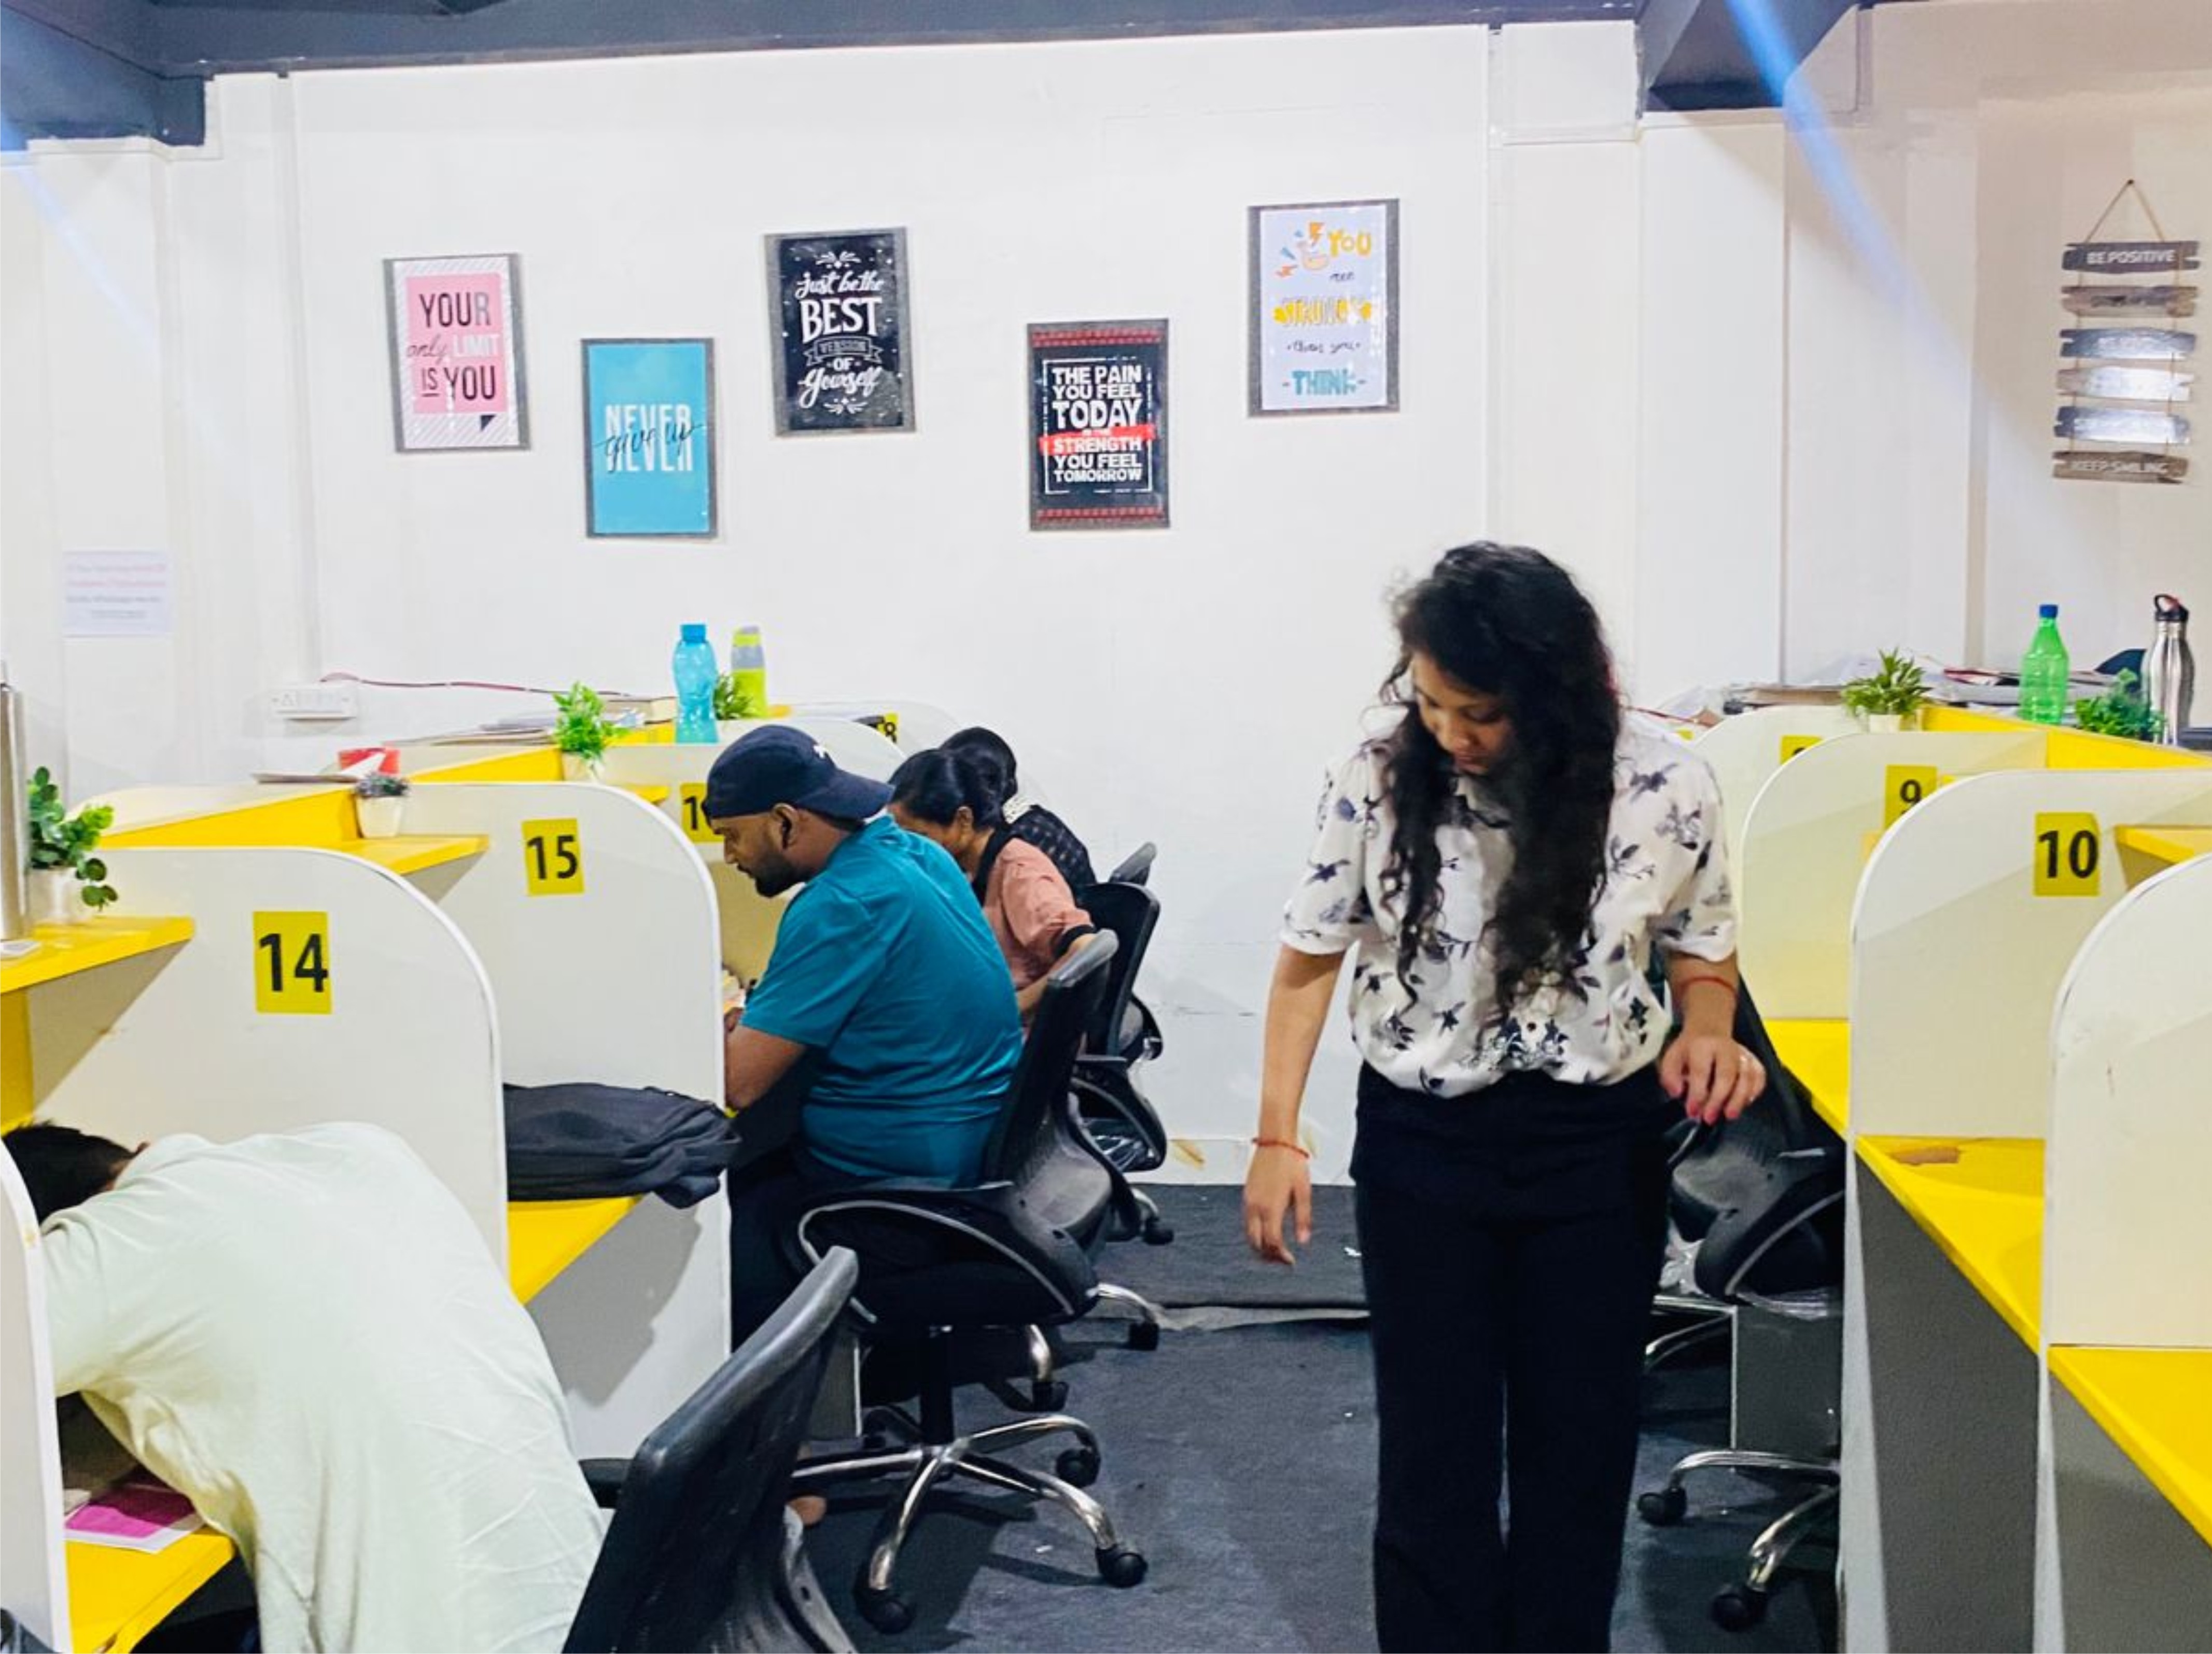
[{"x": 649, "y": 437}]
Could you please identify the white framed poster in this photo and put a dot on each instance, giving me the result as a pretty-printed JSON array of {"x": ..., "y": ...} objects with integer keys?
[
  {"x": 1324, "y": 307},
  {"x": 454, "y": 328}
]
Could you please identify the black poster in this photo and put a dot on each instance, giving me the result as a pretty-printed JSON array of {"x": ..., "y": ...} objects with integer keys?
[
  {"x": 1098, "y": 430},
  {"x": 838, "y": 303}
]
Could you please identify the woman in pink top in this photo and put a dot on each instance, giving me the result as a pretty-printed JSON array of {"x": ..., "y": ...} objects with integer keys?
[{"x": 955, "y": 799}]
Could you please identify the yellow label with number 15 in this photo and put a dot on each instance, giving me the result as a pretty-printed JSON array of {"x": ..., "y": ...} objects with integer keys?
[
  {"x": 1902, "y": 786},
  {"x": 2068, "y": 853},
  {"x": 292, "y": 964},
  {"x": 694, "y": 814},
  {"x": 553, "y": 857},
  {"x": 1793, "y": 744}
]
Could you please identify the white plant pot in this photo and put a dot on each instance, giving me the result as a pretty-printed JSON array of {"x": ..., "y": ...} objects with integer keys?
[
  {"x": 54, "y": 896},
  {"x": 576, "y": 768},
  {"x": 379, "y": 817},
  {"x": 1890, "y": 723}
]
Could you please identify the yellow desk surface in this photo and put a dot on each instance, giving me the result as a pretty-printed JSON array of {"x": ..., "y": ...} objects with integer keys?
[
  {"x": 1819, "y": 1052},
  {"x": 543, "y": 1237},
  {"x": 412, "y": 853},
  {"x": 650, "y": 794},
  {"x": 1985, "y": 1210},
  {"x": 64, "y": 949},
  {"x": 2157, "y": 1406},
  {"x": 117, "y": 1596},
  {"x": 2166, "y": 844}
]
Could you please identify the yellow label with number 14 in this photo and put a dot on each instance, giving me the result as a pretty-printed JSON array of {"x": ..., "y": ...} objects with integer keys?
[
  {"x": 292, "y": 964},
  {"x": 1902, "y": 786},
  {"x": 553, "y": 857},
  {"x": 1793, "y": 744},
  {"x": 694, "y": 814},
  {"x": 2068, "y": 853}
]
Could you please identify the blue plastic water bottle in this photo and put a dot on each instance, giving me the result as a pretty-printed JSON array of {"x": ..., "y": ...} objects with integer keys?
[{"x": 694, "y": 665}]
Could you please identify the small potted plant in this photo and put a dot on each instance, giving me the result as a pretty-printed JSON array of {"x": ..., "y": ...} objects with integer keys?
[
  {"x": 1891, "y": 698},
  {"x": 584, "y": 731},
  {"x": 2121, "y": 711},
  {"x": 65, "y": 876},
  {"x": 379, "y": 799},
  {"x": 735, "y": 702}
]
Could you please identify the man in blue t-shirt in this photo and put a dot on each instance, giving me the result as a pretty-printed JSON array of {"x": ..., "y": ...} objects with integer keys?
[{"x": 886, "y": 979}]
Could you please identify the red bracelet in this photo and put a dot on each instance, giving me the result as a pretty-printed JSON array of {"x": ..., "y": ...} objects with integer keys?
[
  {"x": 1718, "y": 982},
  {"x": 1299, "y": 1149}
]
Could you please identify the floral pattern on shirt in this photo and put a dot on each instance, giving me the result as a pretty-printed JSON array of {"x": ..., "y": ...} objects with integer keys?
[{"x": 1441, "y": 1030}]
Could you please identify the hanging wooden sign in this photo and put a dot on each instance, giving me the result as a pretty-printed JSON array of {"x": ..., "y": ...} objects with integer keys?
[
  {"x": 2127, "y": 344},
  {"x": 2130, "y": 258},
  {"x": 2127, "y": 384},
  {"x": 2079, "y": 424},
  {"x": 2094, "y": 465},
  {"x": 2137, "y": 301}
]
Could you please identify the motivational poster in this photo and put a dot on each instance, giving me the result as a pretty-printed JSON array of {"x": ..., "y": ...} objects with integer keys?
[
  {"x": 1324, "y": 307},
  {"x": 838, "y": 303},
  {"x": 649, "y": 438},
  {"x": 1098, "y": 439},
  {"x": 455, "y": 328}
]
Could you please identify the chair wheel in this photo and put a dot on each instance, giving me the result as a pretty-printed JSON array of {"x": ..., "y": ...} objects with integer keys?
[
  {"x": 1048, "y": 1396},
  {"x": 1078, "y": 1467},
  {"x": 1143, "y": 1334},
  {"x": 1121, "y": 1567},
  {"x": 1158, "y": 1233},
  {"x": 886, "y": 1611},
  {"x": 1738, "y": 1608},
  {"x": 1663, "y": 1507}
]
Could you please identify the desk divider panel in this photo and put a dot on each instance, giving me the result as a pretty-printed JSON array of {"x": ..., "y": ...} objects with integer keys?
[
  {"x": 33, "y": 1578},
  {"x": 1746, "y": 751}
]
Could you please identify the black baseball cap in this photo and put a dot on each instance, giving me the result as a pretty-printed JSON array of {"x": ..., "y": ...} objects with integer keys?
[{"x": 778, "y": 764}]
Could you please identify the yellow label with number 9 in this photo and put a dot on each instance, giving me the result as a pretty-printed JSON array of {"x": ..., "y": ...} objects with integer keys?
[
  {"x": 292, "y": 964},
  {"x": 553, "y": 857},
  {"x": 2069, "y": 854},
  {"x": 695, "y": 815},
  {"x": 1902, "y": 786},
  {"x": 1793, "y": 744}
]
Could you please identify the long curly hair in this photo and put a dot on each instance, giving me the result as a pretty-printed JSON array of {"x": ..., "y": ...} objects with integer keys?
[{"x": 1507, "y": 621}]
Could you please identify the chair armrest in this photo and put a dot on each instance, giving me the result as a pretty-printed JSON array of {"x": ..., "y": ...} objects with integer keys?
[{"x": 604, "y": 1477}]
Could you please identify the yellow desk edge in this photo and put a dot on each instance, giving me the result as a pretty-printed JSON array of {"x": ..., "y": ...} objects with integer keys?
[
  {"x": 543, "y": 1237},
  {"x": 1817, "y": 1050},
  {"x": 118, "y": 1596},
  {"x": 65, "y": 950},
  {"x": 1953, "y": 1213},
  {"x": 2131, "y": 1393},
  {"x": 2175, "y": 844}
]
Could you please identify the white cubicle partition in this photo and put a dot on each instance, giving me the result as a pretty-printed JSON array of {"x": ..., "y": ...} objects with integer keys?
[
  {"x": 1804, "y": 848},
  {"x": 1745, "y": 751},
  {"x": 1969, "y": 914},
  {"x": 33, "y": 1578}
]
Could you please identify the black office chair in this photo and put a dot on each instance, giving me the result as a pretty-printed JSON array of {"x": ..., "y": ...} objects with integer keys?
[
  {"x": 1136, "y": 866},
  {"x": 699, "y": 1553},
  {"x": 1762, "y": 1196},
  {"x": 1120, "y": 1122},
  {"x": 1011, "y": 1251}
]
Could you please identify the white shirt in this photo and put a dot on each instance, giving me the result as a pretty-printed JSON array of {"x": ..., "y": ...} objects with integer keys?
[
  {"x": 304, "y": 1334},
  {"x": 1666, "y": 886}
]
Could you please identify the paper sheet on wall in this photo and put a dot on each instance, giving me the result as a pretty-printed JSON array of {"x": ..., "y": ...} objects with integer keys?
[{"x": 116, "y": 594}]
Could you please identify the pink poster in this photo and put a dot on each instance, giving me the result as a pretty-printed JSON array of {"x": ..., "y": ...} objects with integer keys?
[{"x": 456, "y": 365}]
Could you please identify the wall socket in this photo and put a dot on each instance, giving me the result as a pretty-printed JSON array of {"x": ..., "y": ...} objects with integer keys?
[{"x": 317, "y": 703}]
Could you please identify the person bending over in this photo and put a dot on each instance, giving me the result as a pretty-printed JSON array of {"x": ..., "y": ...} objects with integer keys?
[
  {"x": 884, "y": 981},
  {"x": 1030, "y": 821},
  {"x": 953, "y": 799},
  {"x": 304, "y": 1333}
]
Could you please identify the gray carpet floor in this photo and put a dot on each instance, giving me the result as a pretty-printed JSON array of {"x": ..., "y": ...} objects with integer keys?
[{"x": 1241, "y": 1461}]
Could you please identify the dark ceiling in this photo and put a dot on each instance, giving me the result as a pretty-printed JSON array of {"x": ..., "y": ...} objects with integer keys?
[{"x": 110, "y": 68}]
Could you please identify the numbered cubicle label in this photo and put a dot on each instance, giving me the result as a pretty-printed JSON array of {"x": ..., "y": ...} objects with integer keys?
[
  {"x": 292, "y": 964},
  {"x": 695, "y": 815},
  {"x": 553, "y": 857},
  {"x": 2068, "y": 853},
  {"x": 1793, "y": 744},
  {"x": 1902, "y": 786}
]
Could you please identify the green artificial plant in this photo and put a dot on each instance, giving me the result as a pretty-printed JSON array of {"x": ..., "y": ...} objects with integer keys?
[
  {"x": 584, "y": 729},
  {"x": 62, "y": 843},
  {"x": 2121, "y": 710},
  {"x": 1896, "y": 689},
  {"x": 734, "y": 701},
  {"x": 382, "y": 784}
]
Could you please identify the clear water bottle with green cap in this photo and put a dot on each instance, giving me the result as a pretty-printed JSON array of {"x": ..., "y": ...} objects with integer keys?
[
  {"x": 2046, "y": 673},
  {"x": 748, "y": 670},
  {"x": 694, "y": 665}
]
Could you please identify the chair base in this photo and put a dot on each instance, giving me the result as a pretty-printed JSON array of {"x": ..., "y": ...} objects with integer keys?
[{"x": 1738, "y": 1607}]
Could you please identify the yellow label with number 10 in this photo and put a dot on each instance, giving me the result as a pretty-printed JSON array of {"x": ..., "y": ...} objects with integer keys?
[
  {"x": 1793, "y": 744},
  {"x": 292, "y": 964},
  {"x": 2069, "y": 854},
  {"x": 694, "y": 814},
  {"x": 1902, "y": 786},
  {"x": 553, "y": 857}
]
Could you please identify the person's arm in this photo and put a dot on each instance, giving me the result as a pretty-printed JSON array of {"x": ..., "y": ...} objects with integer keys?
[
  {"x": 1028, "y": 999},
  {"x": 1040, "y": 913},
  {"x": 1278, "y": 1188},
  {"x": 753, "y": 1063},
  {"x": 825, "y": 964},
  {"x": 1712, "y": 1076}
]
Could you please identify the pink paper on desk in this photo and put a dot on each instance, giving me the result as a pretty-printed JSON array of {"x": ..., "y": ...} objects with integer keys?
[{"x": 136, "y": 1514}]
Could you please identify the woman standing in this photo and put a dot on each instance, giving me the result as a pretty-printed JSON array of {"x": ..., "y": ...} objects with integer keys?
[{"x": 1502, "y": 867}]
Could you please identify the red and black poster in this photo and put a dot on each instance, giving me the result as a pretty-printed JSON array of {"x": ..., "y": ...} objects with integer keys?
[{"x": 1098, "y": 432}]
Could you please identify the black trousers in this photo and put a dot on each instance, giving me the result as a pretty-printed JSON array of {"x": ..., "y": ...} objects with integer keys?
[
  {"x": 1510, "y": 1242},
  {"x": 766, "y": 1199}
]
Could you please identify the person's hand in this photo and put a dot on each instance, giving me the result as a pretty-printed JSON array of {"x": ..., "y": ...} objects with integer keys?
[
  {"x": 1277, "y": 1202},
  {"x": 1712, "y": 1076}
]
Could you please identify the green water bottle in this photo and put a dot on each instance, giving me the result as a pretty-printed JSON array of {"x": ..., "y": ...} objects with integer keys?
[
  {"x": 749, "y": 670},
  {"x": 2046, "y": 673}
]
